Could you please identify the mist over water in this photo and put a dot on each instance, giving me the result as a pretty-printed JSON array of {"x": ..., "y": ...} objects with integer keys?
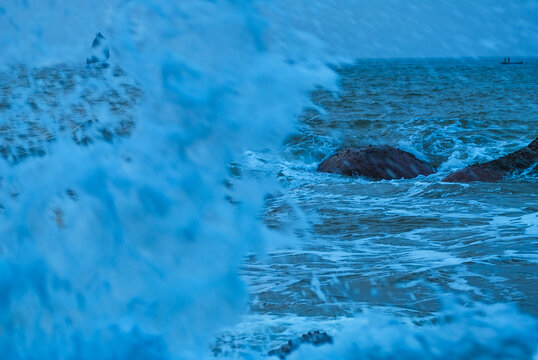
[
  {"x": 129, "y": 246},
  {"x": 167, "y": 207}
]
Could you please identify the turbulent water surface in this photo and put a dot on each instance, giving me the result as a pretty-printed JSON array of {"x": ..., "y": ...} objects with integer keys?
[
  {"x": 168, "y": 206},
  {"x": 404, "y": 247},
  {"x": 389, "y": 252}
]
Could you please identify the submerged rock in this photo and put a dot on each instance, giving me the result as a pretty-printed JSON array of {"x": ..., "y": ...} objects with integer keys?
[
  {"x": 380, "y": 162},
  {"x": 312, "y": 337},
  {"x": 499, "y": 168}
]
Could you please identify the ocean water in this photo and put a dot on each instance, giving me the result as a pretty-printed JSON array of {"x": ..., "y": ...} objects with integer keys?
[
  {"x": 413, "y": 252},
  {"x": 168, "y": 207}
]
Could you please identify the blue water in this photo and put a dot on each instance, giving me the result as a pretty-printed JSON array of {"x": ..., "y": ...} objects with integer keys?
[
  {"x": 396, "y": 262},
  {"x": 167, "y": 206}
]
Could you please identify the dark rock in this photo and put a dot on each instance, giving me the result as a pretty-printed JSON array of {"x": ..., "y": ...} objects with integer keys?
[
  {"x": 497, "y": 169},
  {"x": 381, "y": 162},
  {"x": 100, "y": 52},
  {"x": 312, "y": 337}
]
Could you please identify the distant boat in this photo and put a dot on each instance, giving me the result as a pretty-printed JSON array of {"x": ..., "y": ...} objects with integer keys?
[{"x": 512, "y": 63}]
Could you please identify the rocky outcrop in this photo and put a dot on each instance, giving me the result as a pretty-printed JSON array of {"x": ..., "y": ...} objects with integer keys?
[
  {"x": 497, "y": 169},
  {"x": 100, "y": 52},
  {"x": 380, "y": 162},
  {"x": 311, "y": 337}
]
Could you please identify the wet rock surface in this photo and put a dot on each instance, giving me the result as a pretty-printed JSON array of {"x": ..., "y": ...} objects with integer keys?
[
  {"x": 497, "y": 169},
  {"x": 100, "y": 52},
  {"x": 311, "y": 337},
  {"x": 379, "y": 162}
]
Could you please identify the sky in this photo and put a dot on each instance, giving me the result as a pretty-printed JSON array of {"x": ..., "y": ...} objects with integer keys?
[
  {"x": 420, "y": 28},
  {"x": 43, "y": 31}
]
